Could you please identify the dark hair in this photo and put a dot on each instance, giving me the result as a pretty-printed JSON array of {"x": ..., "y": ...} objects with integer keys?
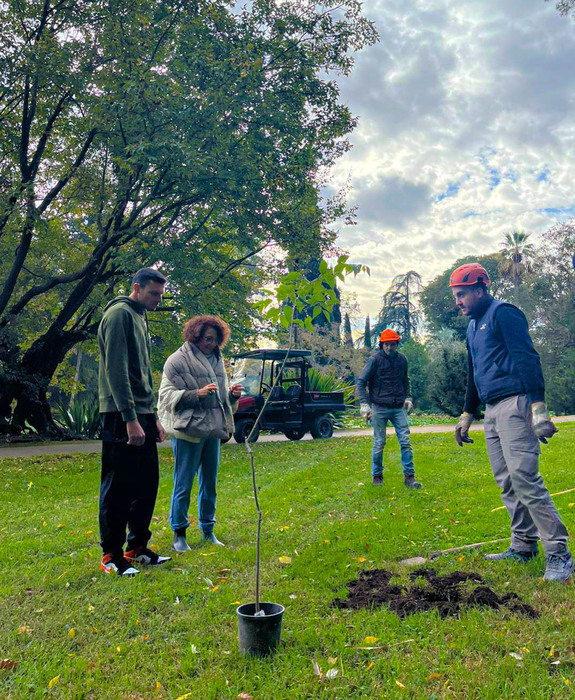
[
  {"x": 147, "y": 275},
  {"x": 196, "y": 326},
  {"x": 388, "y": 341},
  {"x": 480, "y": 284}
]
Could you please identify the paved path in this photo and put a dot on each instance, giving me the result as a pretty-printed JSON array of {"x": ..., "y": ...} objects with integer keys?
[{"x": 94, "y": 446}]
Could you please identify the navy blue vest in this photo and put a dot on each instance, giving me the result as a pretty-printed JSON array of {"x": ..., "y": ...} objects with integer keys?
[
  {"x": 496, "y": 376},
  {"x": 387, "y": 380}
]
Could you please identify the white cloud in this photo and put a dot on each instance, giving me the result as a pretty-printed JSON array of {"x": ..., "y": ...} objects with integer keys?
[{"x": 467, "y": 130}]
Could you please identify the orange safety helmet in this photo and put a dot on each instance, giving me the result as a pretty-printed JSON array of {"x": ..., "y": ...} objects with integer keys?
[
  {"x": 389, "y": 336},
  {"x": 468, "y": 275}
]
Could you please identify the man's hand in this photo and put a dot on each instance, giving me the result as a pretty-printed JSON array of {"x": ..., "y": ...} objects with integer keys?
[
  {"x": 236, "y": 390},
  {"x": 161, "y": 432},
  {"x": 136, "y": 434},
  {"x": 365, "y": 411},
  {"x": 207, "y": 390},
  {"x": 408, "y": 405},
  {"x": 542, "y": 424},
  {"x": 462, "y": 429}
]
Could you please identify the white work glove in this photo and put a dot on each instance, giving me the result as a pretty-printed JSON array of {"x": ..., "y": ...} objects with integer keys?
[
  {"x": 462, "y": 429},
  {"x": 408, "y": 405},
  {"x": 542, "y": 425},
  {"x": 365, "y": 411}
]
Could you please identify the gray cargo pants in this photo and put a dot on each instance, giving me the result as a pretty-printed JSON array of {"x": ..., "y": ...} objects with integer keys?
[{"x": 513, "y": 450}]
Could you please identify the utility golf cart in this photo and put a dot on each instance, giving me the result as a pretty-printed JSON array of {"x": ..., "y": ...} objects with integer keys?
[{"x": 292, "y": 408}]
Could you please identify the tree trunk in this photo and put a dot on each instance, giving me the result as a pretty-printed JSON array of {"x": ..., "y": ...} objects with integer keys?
[{"x": 26, "y": 384}]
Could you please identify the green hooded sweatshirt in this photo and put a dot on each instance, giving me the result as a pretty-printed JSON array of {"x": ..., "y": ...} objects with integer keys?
[{"x": 125, "y": 377}]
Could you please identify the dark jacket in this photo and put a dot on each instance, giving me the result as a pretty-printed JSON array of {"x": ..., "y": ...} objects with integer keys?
[
  {"x": 125, "y": 376},
  {"x": 387, "y": 378},
  {"x": 502, "y": 359}
]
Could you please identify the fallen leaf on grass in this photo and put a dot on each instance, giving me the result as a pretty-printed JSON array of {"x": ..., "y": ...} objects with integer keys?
[
  {"x": 53, "y": 682},
  {"x": 183, "y": 697},
  {"x": 332, "y": 673},
  {"x": 433, "y": 676},
  {"x": 236, "y": 602},
  {"x": 284, "y": 560},
  {"x": 332, "y": 660},
  {"x": 371, "y": 640},
  {"x": 222, "y": 572},
  {"x": 369, "y": 665},
  {"x": 23, "y": 629},
  {"x": 7, "y": 664},
  {"x": 400, "y": 685},
  {"x": 71, "y": 633},
  {"x": 204, "y": 554},
  {"x": 244, "y": 696},
  {"x": 316, "y": 669},
  {"x": 515, "y": 655},
  {"x": 361, "y": 559}
]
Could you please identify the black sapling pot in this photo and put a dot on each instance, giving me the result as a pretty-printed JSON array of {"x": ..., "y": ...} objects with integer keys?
[{"x": 259, "y": 635}]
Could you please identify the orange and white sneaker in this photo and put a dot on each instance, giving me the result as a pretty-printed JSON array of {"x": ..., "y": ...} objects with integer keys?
[
  {"x": 117, "y": 565},
  {"x": 143, "y": 555}
]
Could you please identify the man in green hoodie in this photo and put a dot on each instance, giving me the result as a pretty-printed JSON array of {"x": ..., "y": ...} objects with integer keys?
[{"x": 130, "y": 428}]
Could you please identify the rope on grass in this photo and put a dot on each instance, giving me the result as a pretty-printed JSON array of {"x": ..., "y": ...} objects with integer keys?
[{"x": 559, "y": 493}]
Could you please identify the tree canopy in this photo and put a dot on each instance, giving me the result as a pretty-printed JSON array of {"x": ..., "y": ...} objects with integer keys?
[{"x": 189, "y": 135}]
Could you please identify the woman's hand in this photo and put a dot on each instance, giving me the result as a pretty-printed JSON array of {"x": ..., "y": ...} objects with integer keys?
[
  {"x": 207, "y": 390},
  {"x": 236, "y": 390}
]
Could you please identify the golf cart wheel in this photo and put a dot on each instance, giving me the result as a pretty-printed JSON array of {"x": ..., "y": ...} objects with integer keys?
[
  {"x": 224, "y": 440},
  {"x": 243, "y": 429},
  {"x": 322, "y": 428},
  {"x": 294, "y": 433}
]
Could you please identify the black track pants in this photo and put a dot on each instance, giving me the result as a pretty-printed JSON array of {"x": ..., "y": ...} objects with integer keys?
[{"x": 129, "y": 484}]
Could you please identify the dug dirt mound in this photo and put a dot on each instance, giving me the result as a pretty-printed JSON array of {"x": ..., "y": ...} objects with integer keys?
[{"x": 428, "y": 592}]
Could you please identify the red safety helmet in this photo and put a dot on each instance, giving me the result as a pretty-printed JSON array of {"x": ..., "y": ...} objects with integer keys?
[
  {"x": 389, "y": 336},
  {"x": 468, "y": 275}
]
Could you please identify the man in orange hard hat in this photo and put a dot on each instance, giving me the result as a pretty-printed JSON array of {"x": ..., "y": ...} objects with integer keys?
[
  {"x": 385, "y": 373},
  {"x": 505, "y": 374}
]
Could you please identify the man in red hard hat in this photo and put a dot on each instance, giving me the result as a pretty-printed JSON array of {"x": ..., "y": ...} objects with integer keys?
[
  {"x": 505, "y": 374},
  {"x": 385, "y": 373}
]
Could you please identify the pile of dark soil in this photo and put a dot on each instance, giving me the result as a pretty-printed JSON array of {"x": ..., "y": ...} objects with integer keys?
[{"x": 428, "y": 592}]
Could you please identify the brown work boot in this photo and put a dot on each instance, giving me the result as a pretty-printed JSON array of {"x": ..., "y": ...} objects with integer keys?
[{"x": 410, "y": 482}]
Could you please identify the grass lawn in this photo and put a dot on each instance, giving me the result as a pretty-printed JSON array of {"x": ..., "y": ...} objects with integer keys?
[{"x": 72, "y": 632}]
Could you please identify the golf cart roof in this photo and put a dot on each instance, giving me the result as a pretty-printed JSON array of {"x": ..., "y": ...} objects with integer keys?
[{"x": 272, "y": 354}]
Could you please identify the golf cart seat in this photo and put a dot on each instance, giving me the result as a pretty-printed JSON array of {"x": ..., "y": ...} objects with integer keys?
[
  {"x": 293, "y": 392},
  {"x": 277, "y": 394}
]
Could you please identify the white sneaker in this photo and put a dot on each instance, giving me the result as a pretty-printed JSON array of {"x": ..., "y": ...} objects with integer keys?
[{"x": 117, "y": 565}]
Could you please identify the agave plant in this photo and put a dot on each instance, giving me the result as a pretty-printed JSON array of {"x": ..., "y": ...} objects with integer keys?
[
  {"x": 318, "y": 381},
  {"x": 81, "y": 416}
]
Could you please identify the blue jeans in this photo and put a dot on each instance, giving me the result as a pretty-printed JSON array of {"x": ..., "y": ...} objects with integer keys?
[
  {"x": 191, "y": 458},
  {"x": 398, "y": 418}
]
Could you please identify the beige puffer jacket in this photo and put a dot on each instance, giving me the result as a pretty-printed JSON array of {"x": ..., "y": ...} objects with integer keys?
[{"x": 188, "y": 369}]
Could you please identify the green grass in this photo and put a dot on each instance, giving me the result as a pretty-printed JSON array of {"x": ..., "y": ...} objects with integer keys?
[
  {"x": 351, "y": 420},
  {"x": 168, "y": 632}
]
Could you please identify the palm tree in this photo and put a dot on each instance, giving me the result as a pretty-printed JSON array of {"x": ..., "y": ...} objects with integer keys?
[{"x": 517, "y": 254}]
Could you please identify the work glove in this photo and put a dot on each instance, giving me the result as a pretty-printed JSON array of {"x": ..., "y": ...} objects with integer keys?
[
  {"x": 408, "y": 405},
  {"x": 462, "y": 429},
  {"x": 365, "y": 411},
  {"x": 543, "y": 427}
]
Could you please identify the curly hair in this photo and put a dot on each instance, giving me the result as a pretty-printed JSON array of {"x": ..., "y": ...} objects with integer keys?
[{"x": 196, "y": 326}]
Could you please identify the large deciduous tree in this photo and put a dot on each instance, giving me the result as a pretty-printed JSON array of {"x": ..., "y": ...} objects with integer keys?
[{"x": 189, "y": 135}]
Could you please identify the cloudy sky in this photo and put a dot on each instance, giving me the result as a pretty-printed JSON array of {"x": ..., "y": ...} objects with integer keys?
[{"x": 467, "y": 131}]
